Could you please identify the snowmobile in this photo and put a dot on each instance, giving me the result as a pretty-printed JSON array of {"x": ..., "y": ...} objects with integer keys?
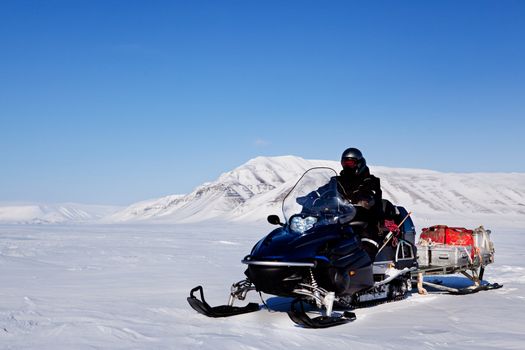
[{"x": 316, "y": 257}]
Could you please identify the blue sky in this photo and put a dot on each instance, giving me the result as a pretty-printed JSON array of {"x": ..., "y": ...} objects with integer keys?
[{"x": 113, "y": 102}]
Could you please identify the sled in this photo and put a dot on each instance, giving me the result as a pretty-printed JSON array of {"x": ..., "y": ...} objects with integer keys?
[{"x": 444, "y": 250}]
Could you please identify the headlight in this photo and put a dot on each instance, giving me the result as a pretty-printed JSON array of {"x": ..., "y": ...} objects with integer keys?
[{"x": 301, "y": 225}]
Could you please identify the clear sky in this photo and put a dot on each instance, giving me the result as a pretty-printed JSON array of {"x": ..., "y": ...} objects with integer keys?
[{"x": 113, "y": 102}]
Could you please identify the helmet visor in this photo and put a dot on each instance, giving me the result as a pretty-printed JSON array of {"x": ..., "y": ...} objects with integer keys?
[{"x": 349, "y": 163}]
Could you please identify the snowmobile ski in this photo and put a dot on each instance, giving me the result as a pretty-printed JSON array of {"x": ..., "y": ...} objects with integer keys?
[
  {"x": 202, "y": 307},
  {"x": 301, "y": 318}
]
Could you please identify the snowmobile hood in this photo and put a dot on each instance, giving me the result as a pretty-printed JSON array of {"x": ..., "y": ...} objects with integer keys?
[{"x": 288, "y": 246}]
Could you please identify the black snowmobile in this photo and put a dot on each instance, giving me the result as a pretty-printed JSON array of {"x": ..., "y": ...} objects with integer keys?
[{"x": 317, "y": 258}]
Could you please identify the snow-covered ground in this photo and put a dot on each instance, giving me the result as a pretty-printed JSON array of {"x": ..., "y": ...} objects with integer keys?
[{"x": 125, "y": 287}]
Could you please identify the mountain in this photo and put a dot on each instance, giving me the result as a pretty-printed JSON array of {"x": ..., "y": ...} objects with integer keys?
[
  {"x": 53, "y": 213},
  {"x": 261, "y": 181},
  {"x": 256, "y": 189}
]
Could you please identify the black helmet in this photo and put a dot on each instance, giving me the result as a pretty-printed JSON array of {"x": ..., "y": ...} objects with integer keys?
[{"x": 353, "y": 161}]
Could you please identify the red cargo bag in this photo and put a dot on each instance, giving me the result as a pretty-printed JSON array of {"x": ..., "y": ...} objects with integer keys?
[{"x": 442, "y": 234}]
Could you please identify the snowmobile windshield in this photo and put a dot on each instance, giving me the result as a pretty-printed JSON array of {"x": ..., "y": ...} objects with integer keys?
[{"x": 315, "y": 200}]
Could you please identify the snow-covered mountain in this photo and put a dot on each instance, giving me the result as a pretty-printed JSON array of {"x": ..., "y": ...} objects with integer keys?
[
  {"x": 255, "y": 189},
  {"x": 252, "y": 188},
  {"x": 53, "y": 213}
]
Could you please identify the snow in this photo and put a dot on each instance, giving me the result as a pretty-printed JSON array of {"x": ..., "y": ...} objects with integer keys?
[
  {"x": 99, "y": 277},
  {"x": 125, "y": 287}
]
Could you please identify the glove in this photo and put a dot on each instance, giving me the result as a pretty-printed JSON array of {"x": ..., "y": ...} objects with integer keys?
[{"x": 391, "y": 226}]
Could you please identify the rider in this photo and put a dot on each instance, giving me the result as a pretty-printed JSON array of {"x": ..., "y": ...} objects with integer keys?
[{"x": 363, "y": 190}]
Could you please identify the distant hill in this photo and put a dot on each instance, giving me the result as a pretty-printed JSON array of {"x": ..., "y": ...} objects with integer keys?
[
  {"x": 255, "y": 189},
  {"x": 16, "y": 213}
]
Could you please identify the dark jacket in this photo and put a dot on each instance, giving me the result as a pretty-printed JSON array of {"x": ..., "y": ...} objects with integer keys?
[
  {"x": 363, "y": 187},
  {"x": 365, "y": 190}
]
